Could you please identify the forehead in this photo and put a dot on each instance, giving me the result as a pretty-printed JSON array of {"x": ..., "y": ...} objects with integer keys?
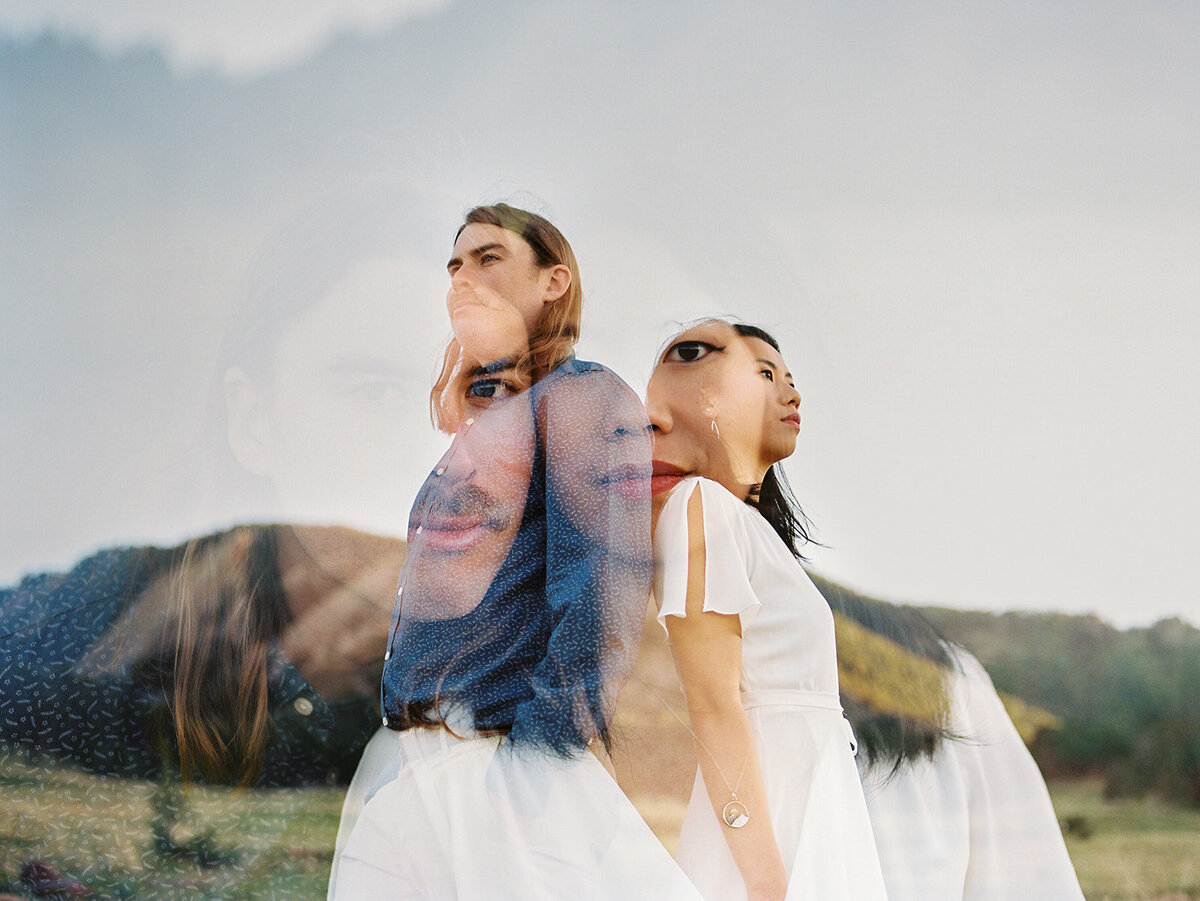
[{"x": 478, "y": 234}]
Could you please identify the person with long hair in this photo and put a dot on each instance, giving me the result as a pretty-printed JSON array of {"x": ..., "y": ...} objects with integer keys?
[
  {"x": 957, "y": 807},
  {"x": 192, "y": 658},
  {"x": 777, "y": 810},
  {"x": 518, "y": 611},
  {"x": 250, "y": 654}
]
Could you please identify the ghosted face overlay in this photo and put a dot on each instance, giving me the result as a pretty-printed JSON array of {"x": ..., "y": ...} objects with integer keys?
[
  {"x": 722, "y": 406},
  {"x": 329, "y": 422},
  {"x": 497, "y": 291},
  {"x": 601, "y": 459},
  {"x": 465, "y": 519},
  {"x": 469, "y": 512}
]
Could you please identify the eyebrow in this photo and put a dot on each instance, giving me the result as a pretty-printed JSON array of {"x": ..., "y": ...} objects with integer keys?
[
  {"x": 477, "y": 253},
  {"x": 497, "y": 366},
  {"x": 774, "y": 368}
]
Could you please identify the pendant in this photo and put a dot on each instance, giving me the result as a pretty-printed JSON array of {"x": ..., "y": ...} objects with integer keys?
[{"x": 735, "y": 814}]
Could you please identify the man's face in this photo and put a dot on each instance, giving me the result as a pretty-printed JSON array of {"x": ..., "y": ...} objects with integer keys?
[
  {"x": 466, "y": 518},
  {"x": 333, "y": 423},
  {"x": 497, "y": 292}
]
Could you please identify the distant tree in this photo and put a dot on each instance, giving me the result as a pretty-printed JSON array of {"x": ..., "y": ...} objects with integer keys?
[{"x": 1128, "y": 701}]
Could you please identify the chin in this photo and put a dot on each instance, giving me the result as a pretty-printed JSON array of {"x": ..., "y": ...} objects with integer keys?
[{"x": 486, "y": 336}]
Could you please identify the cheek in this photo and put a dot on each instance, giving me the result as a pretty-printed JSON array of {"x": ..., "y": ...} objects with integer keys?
[{"x": 692, "y": 437}]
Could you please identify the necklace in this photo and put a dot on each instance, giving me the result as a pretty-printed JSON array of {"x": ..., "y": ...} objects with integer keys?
[{"x": 735, "y": 814}]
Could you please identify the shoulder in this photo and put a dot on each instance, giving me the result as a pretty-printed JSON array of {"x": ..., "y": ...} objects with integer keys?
[
  {"x": 698, "y": 507},
  {"x": 589, "y": 395},
  {"x": 91, "y": 591},
  {"x": 709, "y": 494},
  {"x": 96, "y": 574},
  {"x": 966, "y": 667},
  {"x": 574, "y": 375}
]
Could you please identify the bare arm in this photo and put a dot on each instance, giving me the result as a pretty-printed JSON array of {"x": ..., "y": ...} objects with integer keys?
[{"x": 707, "y": 648}]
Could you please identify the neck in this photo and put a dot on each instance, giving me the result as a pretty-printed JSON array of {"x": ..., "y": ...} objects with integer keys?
[{"x": 744, "y": 481}]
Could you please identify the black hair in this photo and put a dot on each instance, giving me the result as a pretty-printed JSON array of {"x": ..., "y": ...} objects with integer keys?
[
  {"x": 773, "y": 498},
  {"x": 884, "y": 738}
]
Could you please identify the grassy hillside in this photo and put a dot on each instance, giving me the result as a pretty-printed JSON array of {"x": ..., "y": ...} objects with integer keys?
[{"x": 1128, "y": 700}]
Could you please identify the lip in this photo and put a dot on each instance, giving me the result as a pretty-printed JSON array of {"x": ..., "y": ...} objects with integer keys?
[
  {"x": 792, "y": 419},
  {"x": 629, "y": 480},
  {"x": 459, "y": 300},
  {"x": 664, "y": 477},
  {"x": 453, "y": 534}
]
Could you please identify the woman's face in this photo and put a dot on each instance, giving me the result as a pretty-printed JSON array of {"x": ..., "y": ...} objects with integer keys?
[
  {"x": 498, "y": 292},
  {"x": 722, "y": 406}
]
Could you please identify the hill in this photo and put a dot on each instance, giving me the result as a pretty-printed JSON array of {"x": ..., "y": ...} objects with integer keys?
[{"x": 1129, "y": 700}]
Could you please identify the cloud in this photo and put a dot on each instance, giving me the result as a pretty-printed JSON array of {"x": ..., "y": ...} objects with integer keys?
[{"x": 240, "y": 38}]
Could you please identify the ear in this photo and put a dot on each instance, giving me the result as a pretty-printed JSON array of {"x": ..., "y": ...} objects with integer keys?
[
  {"x": 558, "y": 283},
  {"x": 249, "y": 429}
]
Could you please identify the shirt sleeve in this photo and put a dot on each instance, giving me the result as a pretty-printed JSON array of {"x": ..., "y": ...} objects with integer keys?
[
  {"x": 727, "y": 556},
  {"x": 598, "y": 556}
]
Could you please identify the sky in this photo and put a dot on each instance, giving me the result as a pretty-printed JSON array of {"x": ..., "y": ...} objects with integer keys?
[{"x": 974, "y": 229}]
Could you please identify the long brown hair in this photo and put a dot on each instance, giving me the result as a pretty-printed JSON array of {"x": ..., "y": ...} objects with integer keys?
[
  {"x": 229, "y": 608},
  {"x": 558, "y": 328},
  {"x": 199, "y": 636}
]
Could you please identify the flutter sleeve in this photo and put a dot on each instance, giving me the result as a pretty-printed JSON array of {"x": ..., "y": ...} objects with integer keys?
[
  {"x": 596, "y": 444},
  {"x": 727, "y": 553}
]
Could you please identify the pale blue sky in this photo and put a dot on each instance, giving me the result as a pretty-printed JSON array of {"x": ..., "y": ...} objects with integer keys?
[{"x": 975, "y": 229}]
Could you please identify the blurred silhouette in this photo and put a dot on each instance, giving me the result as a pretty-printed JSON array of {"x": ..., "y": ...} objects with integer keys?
[{"x": 250, "y": 655}]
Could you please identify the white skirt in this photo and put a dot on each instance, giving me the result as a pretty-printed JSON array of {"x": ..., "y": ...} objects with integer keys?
[
  {"x": 806, "y": 750},
  {"x": 432, "y": 816}
]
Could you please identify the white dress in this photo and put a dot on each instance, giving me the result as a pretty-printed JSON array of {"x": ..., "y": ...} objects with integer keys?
[
  {"x": 790, "y": 691},
  {"x": 974, "y": 823}
]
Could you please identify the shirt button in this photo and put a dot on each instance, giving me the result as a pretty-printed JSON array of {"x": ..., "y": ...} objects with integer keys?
[
  {"x": 387, "y": 655},
  {"x": 470, "y": 422},
  {"x": 303, "y": 706},
  {"x": 385, "y": 720},
  {"x": 440, "y": 470},
  {"x": 418, "y": 532}
]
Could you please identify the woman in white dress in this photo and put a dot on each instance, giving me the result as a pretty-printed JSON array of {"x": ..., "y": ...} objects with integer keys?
[{"x": 777, "y": 811}]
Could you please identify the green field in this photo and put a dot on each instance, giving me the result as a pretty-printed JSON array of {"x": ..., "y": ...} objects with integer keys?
[
  {"x": 268, "y": 844},
  {"x": 1137, "y": 850}
]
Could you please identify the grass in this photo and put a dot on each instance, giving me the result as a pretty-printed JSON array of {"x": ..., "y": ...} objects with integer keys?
[
  {"x": 1138, "y": 850},
  {"x": 277, "y": 844},
  {"x": 261, "y": 844}
]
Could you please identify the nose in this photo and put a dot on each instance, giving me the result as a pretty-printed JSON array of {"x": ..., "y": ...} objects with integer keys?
[
  {"x": 659, "y": 415},
  {"x": 461, "y": 278},
  {"x": 791, "y": 396}
]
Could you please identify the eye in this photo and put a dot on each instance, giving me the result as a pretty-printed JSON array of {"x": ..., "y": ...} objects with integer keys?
[
  {"x": 770, "y": 375},
  {"x": 489, "y": 257},
  {"x": 486, "y": 390},
  {"x": 688, "y": 351}
]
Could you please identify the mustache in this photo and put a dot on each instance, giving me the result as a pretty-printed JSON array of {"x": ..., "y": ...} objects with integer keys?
[{"x": 439, "y": 497}]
